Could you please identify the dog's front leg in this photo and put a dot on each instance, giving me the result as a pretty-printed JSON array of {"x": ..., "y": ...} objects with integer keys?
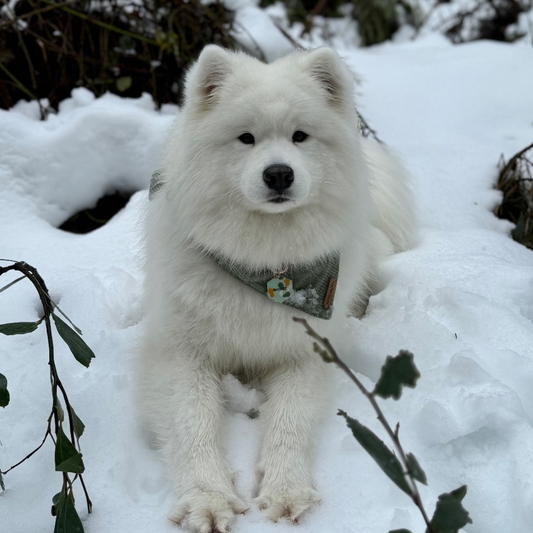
[
  {"x": 203, "y": 482},
  {"x": 295, "y": 394}
]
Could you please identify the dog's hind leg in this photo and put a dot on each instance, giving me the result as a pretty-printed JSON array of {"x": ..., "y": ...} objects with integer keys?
[
  {"x": 294, "y": 397},
  {"x": 205, "y": 495}
]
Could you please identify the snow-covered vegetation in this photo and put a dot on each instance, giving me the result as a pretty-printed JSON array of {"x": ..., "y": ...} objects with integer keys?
[{"x": 461, "y": 301}]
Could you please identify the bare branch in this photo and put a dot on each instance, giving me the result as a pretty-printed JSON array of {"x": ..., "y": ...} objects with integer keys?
[{"x": 394, "y": 435}]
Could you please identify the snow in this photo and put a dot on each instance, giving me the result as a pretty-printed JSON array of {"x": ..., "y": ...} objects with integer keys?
[
  {"x": 304, "y": 296},
  {"x": 256, "y": 31},
  {"x": 461, "y": 301}
]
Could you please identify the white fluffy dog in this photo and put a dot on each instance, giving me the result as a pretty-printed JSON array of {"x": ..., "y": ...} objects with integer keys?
[{"x": 267, "y": 181}]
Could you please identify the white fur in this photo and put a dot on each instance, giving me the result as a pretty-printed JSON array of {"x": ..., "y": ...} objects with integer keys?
[{"x": 348, "y": 195}]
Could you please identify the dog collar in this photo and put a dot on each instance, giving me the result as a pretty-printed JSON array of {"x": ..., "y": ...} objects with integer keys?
[{"x": 308, "y": 287}]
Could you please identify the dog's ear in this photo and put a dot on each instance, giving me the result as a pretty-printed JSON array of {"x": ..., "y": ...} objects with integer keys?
[
  {"x": 326, "y": 67},
  {"x": 207, "y": 75}
]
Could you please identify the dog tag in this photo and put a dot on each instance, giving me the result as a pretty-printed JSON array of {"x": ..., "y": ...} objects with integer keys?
[{"x": 279, "y": 289}]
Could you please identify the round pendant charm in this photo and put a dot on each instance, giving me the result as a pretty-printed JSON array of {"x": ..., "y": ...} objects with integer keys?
[{"x": 279, "y": 289}]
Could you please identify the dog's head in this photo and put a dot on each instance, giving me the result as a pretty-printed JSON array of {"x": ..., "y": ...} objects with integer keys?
[
  {"x": 267, "y": 146},
  {"x": 275, "y": 130}
]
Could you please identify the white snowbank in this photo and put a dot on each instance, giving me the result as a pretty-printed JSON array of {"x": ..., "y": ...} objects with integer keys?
[
  {"x": 462, "y": 302},
  {"x": 256, "y": 32},
  {"x": 106, "y": 144}
]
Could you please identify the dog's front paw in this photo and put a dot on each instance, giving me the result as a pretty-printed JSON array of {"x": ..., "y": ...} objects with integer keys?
[
  {"x": 207, "y": 511},
  {"x": 290, "y": 503}
]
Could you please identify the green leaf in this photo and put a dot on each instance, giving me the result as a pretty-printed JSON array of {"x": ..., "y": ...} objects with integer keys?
[
  {"x": 415, "y": 469},
  {"x": 400, "y": 531},
  {"x": 67, "y": 519},
  {"x": 67, "y": 458},
  {"x": 79, "y": 349},
  {"x": 79, "y": 426},
  {"x": 377, "y": 449},
  {"x": 56, "y": 501},
  {"x": 124, "y": 83},
  {"x": 18, "y": 328},
  {"x": 286, "y": 294},
  {"x": 4, "y": 393},
  {"x": 281, "y": 286},
  {"x": 450, "y": 516},
  {"x": 459, "y": 493},
  {"x": 2, "y": 486},
  {"x": 397, "y": 371}
]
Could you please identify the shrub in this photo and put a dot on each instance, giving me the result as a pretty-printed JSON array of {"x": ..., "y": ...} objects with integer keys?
[{"x": 47, "y": 47}]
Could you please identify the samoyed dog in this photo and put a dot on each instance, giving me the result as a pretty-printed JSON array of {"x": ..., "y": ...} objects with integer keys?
[{"x": 270, "y": 206}]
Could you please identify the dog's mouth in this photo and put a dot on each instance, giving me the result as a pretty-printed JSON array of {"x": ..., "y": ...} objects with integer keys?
[
  {"x": 279, "y": 200},
  {"x": 277, "y": 203}
]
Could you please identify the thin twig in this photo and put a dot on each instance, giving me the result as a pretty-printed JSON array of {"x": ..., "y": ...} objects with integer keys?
[
  {"x": 87, "y": 499},
  {"x": 245, "y": 30},
  {"x": 366, "y": 126},
  {"x": 319, "y": 7},
  {"x": 425, "y": 18},
  {"x": 46, "y": 435},
  {"x": 110, "y": 27},
  {"x": 513, "y": 159},
  {"x": 48, "y": 307},
  {"x": 36, "y": 12},
  {"x": 289, "y": 37},
  {"x": 392, "y": 434},
  {"x": 18, "y": 83}
]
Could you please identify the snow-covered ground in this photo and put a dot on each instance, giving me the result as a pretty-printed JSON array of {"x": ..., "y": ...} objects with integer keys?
[{"x": 461, "y": 301}]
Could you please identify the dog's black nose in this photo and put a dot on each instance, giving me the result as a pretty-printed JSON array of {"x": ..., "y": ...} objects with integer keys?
[{"x": 278, "y": 177}]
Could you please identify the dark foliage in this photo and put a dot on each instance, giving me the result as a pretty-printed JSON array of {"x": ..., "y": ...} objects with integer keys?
[
  {"x": 516, "y": 183},
  {"x": 486, "y": 19},
  {"x": 48, "y": 48},
  {"x": 63, "y": 426},
  {"x": 377, "y": 19}
]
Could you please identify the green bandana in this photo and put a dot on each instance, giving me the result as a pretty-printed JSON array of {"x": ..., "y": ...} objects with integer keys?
[{"x": 308, "y": 287}]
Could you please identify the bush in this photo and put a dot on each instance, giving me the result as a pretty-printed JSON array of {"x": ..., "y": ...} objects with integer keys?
[
  {"x": 377, "y": 20},
  {"x": 48, "y": 48},
  {"x": 516, "y": 183}
]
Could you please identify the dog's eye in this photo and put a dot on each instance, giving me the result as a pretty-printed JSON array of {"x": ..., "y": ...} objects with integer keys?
[
  {"x": 299, "y": 137},
  {"x": 247, "y": 138}
]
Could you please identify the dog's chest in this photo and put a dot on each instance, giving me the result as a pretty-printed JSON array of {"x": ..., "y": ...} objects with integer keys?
[{"x": 227, "y": 317}]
